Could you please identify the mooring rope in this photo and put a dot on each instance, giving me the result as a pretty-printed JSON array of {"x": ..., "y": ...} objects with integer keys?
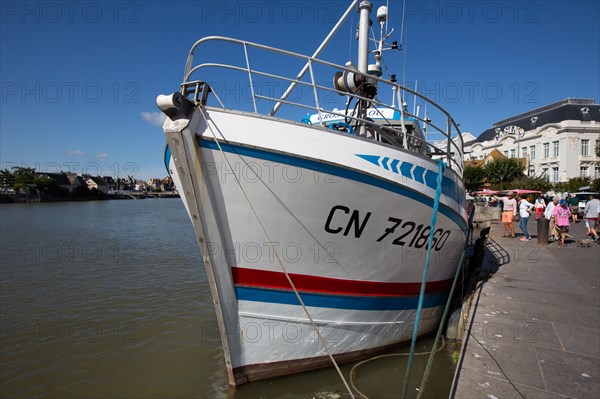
[
  {"x": 289, "y": 279},
  {"x": 444, "y": 315},
  {"x": 357, "y": 365},
  {"x": 436, "y": 203}
]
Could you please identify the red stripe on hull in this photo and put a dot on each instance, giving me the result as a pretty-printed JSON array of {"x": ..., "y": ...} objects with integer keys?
[{"x": 335, "y": 286}]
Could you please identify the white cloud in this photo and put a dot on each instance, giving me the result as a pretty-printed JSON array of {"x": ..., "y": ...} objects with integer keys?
[
  {"x": 77, "y": 153},
  {"x": 154, "y": 118},
  {"x": 101, "y": 157}
]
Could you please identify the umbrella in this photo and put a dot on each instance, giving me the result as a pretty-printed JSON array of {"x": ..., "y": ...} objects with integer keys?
[
  {"x": 485, "y": 192},
  {"x": 519, "y": 191}
]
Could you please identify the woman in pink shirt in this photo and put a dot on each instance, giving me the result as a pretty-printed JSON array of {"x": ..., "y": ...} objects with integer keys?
[{"x": 562, "y": 214}]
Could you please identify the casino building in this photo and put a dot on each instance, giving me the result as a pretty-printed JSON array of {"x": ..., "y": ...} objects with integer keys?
[{"x": 557, "y": 140}]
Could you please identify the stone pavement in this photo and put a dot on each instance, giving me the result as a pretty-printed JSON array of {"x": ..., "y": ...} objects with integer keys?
[{"x": 534, "y": 326}]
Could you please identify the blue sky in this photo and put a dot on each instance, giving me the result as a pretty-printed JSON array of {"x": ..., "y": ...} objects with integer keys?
[{"x": 79, "y": 79}]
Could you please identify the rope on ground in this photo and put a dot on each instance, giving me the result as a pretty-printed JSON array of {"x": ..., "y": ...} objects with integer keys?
[
  {"x": 289, "y": 279},
  {"x": 436, "y": 203},
  {"x": 357, "y": 365}
]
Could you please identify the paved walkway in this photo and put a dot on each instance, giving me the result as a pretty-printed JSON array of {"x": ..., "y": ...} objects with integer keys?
[{"x": 534, "y": 330}]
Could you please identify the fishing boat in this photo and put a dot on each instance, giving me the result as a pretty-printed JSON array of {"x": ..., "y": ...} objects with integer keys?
[{"x": 313, "y": 209}]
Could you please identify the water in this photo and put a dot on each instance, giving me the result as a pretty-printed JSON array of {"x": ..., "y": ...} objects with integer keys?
[{"x": 109, "y": 299}]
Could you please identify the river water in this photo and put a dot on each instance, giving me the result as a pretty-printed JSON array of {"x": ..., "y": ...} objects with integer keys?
[{"x": 110, "y": 299}]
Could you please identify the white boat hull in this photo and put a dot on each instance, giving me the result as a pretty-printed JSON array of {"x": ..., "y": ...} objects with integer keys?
[{"x": 346, "y": 218}]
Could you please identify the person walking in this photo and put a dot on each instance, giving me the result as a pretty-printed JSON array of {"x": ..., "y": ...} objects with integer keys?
[
  {"x": 540, "y": 205},
  {"x": 592, "y": 212},
  {"x": 509, "y": 210},
  {"x": 548, "y": 214},
  {"x": 525, "y": 208},
  {"x": 562, "y": 214},
  {"x": 573, "y": 204}
]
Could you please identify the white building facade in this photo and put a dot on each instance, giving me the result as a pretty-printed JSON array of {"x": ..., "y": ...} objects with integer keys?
[{"x": 558, "y": 140}]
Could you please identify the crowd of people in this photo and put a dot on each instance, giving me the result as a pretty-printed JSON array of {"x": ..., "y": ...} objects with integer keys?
[{"x": 559, "y": 212}]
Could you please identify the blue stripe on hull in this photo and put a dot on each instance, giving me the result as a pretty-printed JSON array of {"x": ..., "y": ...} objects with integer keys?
[
  {"x": 337, "y": 171},
  {"x": 340, "y": 301}
]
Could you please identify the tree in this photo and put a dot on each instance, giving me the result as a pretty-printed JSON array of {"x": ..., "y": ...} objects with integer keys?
[
  {"x": 6, "y": 180},
  {"x": 532, "y": 183},
  {"x": 595, "y": 186},
  {"x": 474, "y": 177},
  {"x": 503, "y": 170},
  {"x": 47, "y": 185},
  {"x": 23, "y": 176},
  {"x": 572, "y": 185}
]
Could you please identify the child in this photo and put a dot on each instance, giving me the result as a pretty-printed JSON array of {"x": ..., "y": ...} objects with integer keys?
[{"x": 540, "y": 204}]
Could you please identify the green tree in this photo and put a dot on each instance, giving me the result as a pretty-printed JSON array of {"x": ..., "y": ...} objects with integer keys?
[
  {"x": 503, "y": 170},
  {"x": 47, "y": 185},
  {"x": 532, "y": 183},
  {"x": 23, "y": 176},
  {"x": 572, "y": 185},
  {"x": 474, "y": 177},
  {"x": 7, "y": 180}
]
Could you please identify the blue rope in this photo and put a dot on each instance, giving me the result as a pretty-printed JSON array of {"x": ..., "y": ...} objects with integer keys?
[{"x": 436, "y": 203}]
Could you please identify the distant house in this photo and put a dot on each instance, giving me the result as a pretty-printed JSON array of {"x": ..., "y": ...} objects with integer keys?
[
  {"x": 494, "y": 155},
  {"x": 154, "y": 184},
  {"x": 66, "y": 181},
  {"x": 96, "y": 182},
  {"x": 110, "y": 182},
  {"x": 76, "y": 182}
]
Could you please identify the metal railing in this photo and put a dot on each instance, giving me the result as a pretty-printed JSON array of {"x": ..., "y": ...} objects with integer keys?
[{"x": 385, "y": 132}]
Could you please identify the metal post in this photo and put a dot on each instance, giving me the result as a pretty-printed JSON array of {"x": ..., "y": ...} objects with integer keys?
[
  {"x": 449, "y": 138},
  {"x": 363, "y": 36},
  {"x": 363, "y": 53},
  {"x": 312, "y": 80},
  {"x": 250, "y": 77}
]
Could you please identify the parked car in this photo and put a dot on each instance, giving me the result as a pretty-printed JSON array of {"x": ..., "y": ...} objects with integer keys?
[{"x": 582, "y": 198}]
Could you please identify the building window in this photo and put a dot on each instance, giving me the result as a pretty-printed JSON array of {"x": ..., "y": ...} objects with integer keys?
[
  {"x": 506, "y": 153},
  {"x": 555, "y": 149},
  {"x": 555, "y": 174},
  {"x": 585, "y": 148},
  {"x": 546, "y": 150},
  {"x": 545, "y": 173},
  {"x": 532, "y": 151},
  {"x": 531, "y": 171},
  {"x": 512, "y": 153},
  {"x": 524, "y": 152},
  {"x": 583, "y": 171},
  {"x": 597, "y": 172}
]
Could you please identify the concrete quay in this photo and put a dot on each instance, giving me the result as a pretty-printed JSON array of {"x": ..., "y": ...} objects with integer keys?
[{"x": 533, "y": 330}]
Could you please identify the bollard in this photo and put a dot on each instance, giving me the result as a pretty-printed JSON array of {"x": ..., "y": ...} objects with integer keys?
[{"x": 542, "y": 230}]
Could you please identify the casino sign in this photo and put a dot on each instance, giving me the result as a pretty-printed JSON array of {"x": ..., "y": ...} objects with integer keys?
[{"x": 511, "y": 130}]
